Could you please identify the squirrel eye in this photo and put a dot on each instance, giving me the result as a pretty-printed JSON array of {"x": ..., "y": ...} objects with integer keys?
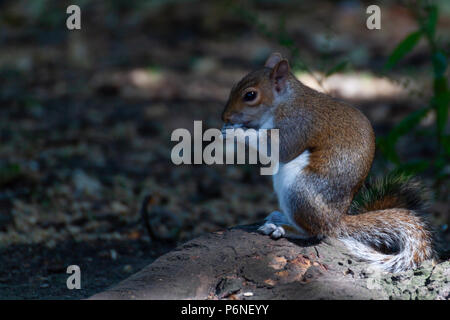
[{"x": 250, "y": 96}]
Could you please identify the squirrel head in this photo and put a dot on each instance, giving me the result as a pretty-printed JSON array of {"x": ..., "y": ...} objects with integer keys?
[{"x": 257, "y": 93}]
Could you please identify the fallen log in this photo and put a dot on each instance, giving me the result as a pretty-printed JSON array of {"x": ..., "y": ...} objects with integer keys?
[{"x": 239, "y": 263}]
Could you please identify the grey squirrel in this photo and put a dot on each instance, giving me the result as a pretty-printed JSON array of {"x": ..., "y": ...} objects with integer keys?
[{"x": 326, "y": 151}]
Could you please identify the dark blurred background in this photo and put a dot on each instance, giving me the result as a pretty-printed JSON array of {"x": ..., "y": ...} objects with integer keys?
[{"x": 86, "y": 118}]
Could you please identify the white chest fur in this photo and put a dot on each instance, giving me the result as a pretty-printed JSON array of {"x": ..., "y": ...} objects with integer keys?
[{"x": 286, "y": 177}]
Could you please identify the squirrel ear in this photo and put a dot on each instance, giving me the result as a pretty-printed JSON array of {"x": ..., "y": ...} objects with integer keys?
[
  {"x": 273, "y": 60},
  {"x": 279, "y": 74}
]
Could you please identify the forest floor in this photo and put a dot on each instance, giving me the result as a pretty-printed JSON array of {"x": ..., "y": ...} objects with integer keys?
[{"x": 86, "y": 119}]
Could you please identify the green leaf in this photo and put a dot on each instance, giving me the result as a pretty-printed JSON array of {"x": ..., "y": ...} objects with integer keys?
[
  {"x": 413, "y": 167},
  {"x": 441, "y": 103},
  {"x": 403, "y": 48},
  {"x": 337, "y": 68},
  {"x": 388, "y": 149},
  {"x": 446, "y": 143},
  {"x": 9, "y": 173},
  {"x": 440, "y": 85},
  {"x": 441, "y": 161},
  {"x": 387, "y": 144},
  {"x": 439, "y": 64},
  {"x": 407, "y": 124},
  {"x": 430, "y": 23}
]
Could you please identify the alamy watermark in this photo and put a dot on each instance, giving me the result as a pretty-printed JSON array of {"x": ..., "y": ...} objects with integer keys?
[
  {"x": 374, "y": 20},
  {"x": 73, "y": 281},
  {"x": 231, "y": 145},
  {"x": 73, "y": 21}
]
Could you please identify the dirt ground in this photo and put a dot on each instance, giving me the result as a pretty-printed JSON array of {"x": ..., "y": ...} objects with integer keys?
[
  {"x": 86, "y": 118},
  {"x": 37, "y": 272}
]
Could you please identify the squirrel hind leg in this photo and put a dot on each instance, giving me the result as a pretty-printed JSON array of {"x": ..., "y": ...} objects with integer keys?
[
  {"x": 277, "y": 225},
  {"x": 273, "y": 230}
]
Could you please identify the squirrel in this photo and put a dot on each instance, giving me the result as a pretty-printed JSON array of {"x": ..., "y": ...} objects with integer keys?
[{"x": 326, "y": 149}]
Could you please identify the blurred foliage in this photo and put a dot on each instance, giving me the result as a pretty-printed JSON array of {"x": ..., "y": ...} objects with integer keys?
[
  {"x": 426, "y": 15},
  {"x": 282, "y": 37},
  {"x": 9, "y": 172},
  {"x": 46, "y": 13}
]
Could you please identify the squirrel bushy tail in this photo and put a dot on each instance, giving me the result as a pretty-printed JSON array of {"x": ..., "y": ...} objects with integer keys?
[{"x": 385, "y": 225}]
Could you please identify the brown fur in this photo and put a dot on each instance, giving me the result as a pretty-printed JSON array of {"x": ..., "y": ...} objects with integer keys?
[
  {"x": 386, "y": 221},
  {"x": 386, "y": 202},
  {"x": 235, "y": 105},
  {"x": 341, "y": 143}
]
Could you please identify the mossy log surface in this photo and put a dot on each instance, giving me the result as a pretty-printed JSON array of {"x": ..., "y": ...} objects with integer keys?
[{"x": 241, "y": 264}]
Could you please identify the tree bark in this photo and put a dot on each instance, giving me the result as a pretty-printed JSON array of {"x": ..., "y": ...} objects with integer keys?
[{"x": 241, "y": 264}]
